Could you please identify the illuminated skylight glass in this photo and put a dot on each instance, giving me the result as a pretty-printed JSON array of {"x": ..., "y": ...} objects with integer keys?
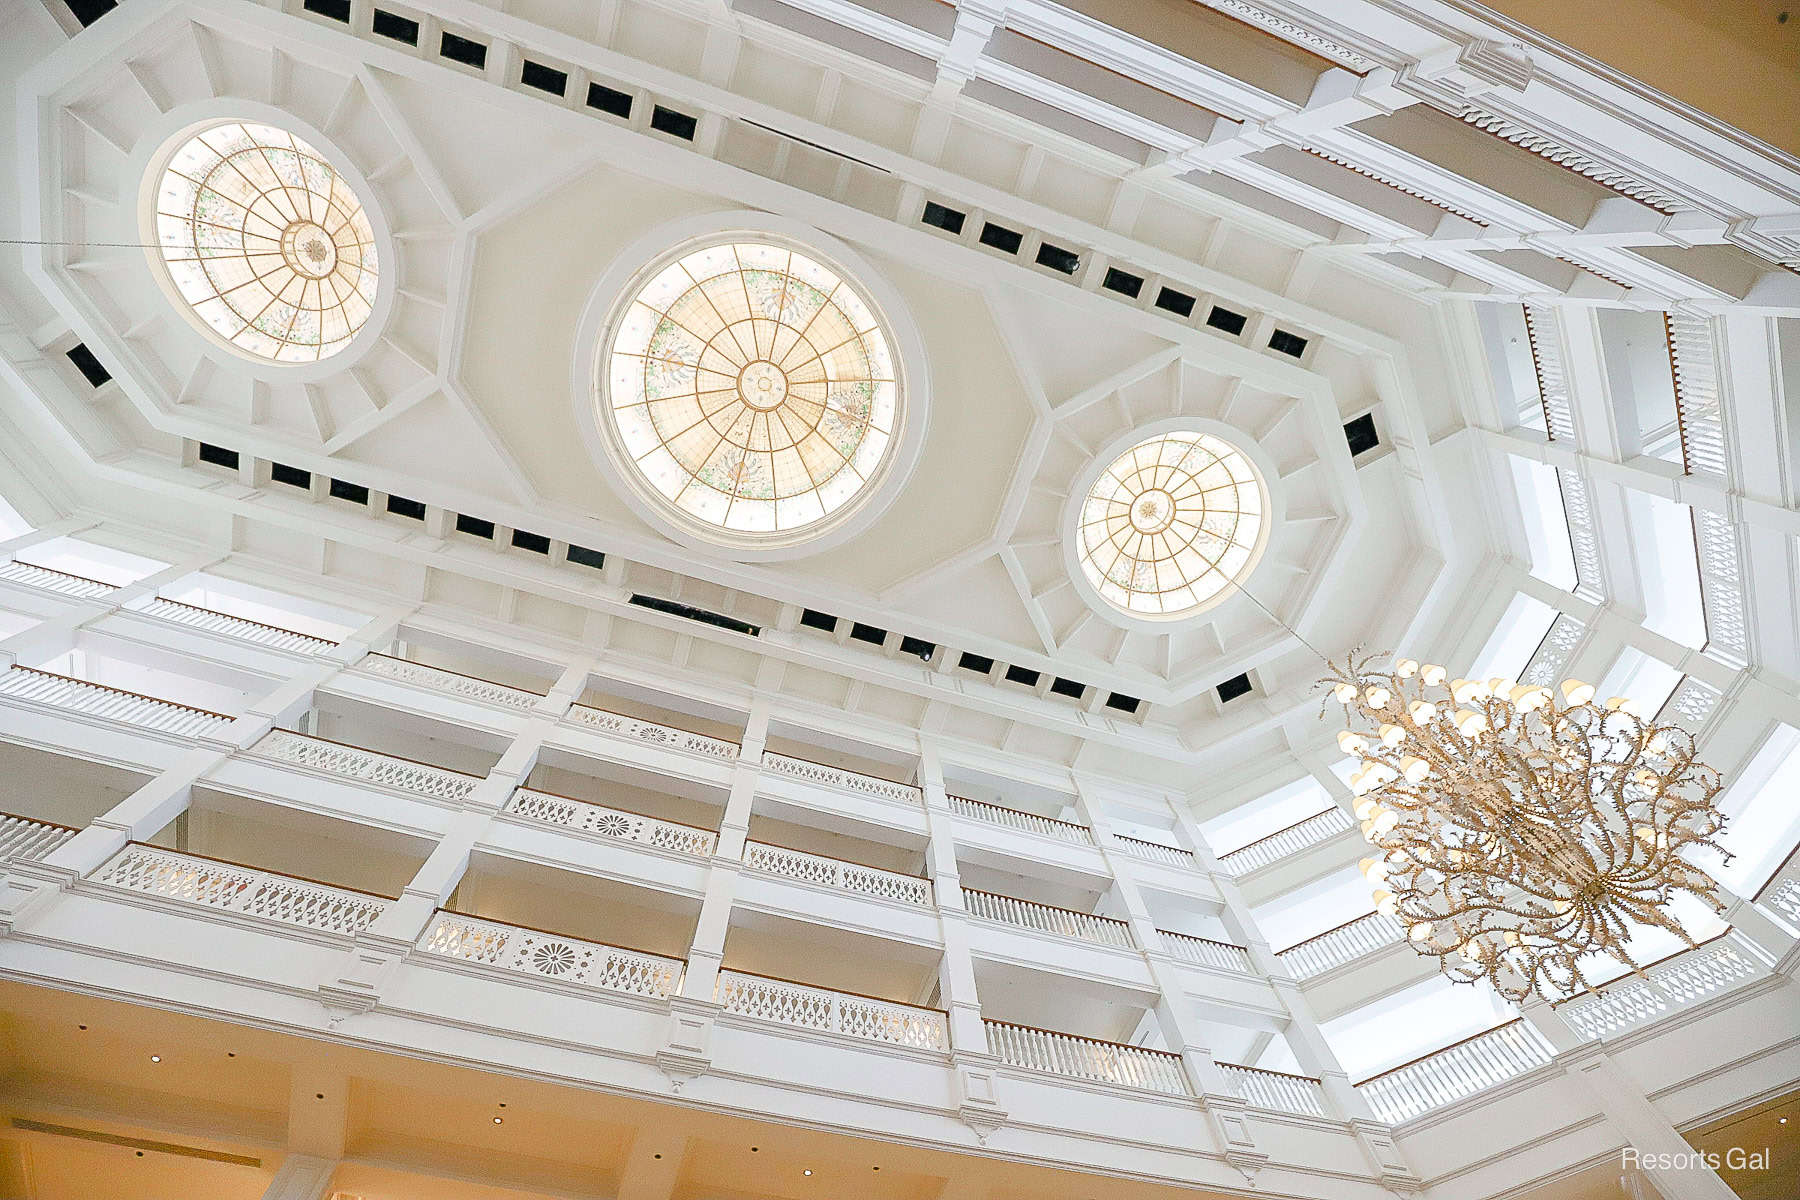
[
  {"x": 266, "y": 243},
  {"x": 1171, "y": 523},
  {"x": 753, "y": 388}
]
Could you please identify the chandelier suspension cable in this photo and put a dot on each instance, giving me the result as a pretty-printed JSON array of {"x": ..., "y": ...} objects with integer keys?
[{"x": 1267, "y": 612}]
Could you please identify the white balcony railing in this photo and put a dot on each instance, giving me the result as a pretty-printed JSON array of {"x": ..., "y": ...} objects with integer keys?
[
  {"x": 1675, "y": 982},
  {"x": 550, "y": 809},
  {"x": 110, "y": 703},
  {"x": 551, "y": 956},
  {"x": 1463, "y": 1069},
  {"x": 272, "y": 636},
  {"x": 1550, "y": 661},
  {"x": 1173, "y": 856},
  {"x": 451, "y": 683},
  {"x": 1320, "y": 827},
  {"x": 1344, "y": 944},
  {"x": 25, "y": 840},
  {"x": 1552, "y": 377},
  {"x": 807, "y": 1007},
  {"x": 1698, "y": 414},
  {"x": 240, "y": 889},
  {"x": 1087, "y": 1058},
  {"x": 1722, "y": 592},
  {"x": 838, "y": 777},
  {"x": 46, "y": 580},
  {"x": 1046, "y": 918},
  {"x": 1299, "y": 1094},
  {"x": 368, "y": 766},
  {"x": 1205, "y": 952},
  {"x": 651, "y": 732},
  {"x": 1024, "y": 822},
  {"x": 1784, "y": 898},
  {"x": 837, "y": 874},
  {"x": 1584, "y": 534}
]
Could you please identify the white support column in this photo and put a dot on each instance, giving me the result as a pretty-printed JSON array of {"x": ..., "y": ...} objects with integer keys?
[{"x": 302, "y": 1177}]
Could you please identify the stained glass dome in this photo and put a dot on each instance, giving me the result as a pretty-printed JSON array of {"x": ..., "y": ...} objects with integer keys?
[
  {"x": 268, "y": 245},
  {"x": 752, "y": 388},
  {"x": 1170, "y": 524}
]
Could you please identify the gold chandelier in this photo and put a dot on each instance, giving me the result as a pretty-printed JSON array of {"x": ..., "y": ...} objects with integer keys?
[{"x": 1520, "y": 831}]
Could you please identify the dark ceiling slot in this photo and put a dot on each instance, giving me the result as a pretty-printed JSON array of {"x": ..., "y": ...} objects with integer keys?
[
  {"x": 981, "y": 664},
  {"x": 1179, "y": 303},
  {"x": 337, "y": 10},
  {"x": 89, "y": 11},
  {"x": 1005, "y": 240},
  {"x": 400, "y": 506},
  {"x": 689, "y": 612},
  {"x": 919, "y": 648},
  {"x": 867, "y": 633},
  {"x": 812, "y": 618},
  {"x": 673, "y": 123},
  {"x": 393, "y": 25},
  {"x": 1123, "y": 703},
  {"x": 475, "y": 526},
  {"x": 940, "y": 217},
  {"x": 794, "y": 137},
  {"x": 537, "y": 543},
  {"x": 610, "y": 101},
  {"x": 218, "y": 456},
  {"x": 1024, "y": 675},
  {"x": 133, "y": 1143},
  {"x": 1068, "y": 687},
  {"x": 1361, "y": 434},
  {"x": 1231, "y": 689},
  {"x": 1226, "y": 321},
  {"x": 355, "y": 493},
  {"x": 293, "y": 477},
  {"x": 88, "y": 365},
  {"x": 581, "y": 556},
  {"x": 1123, "y": 282},
  {"x": 543, "y": 78},
  {"x": 463, "y": 50},
  {"x": 1058, "y": 258},
  {"x": 1290, "y": 344}
]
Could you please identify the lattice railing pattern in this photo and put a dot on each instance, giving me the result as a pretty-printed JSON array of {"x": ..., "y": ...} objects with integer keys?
[
  {"x": 1678, "y": 982},
  {"x": 551, "y": 809},
  {"x": 1550, "y": 662},
  {"x": 235, "y": 627},
  {"x": 1320, "y": 827},
  {"x": 111, "y": 704},
  {"x": 1045, "y": 918},
  {"x": 1012, "y": 818},
  {"x": 651, "y": 732},
  {"x": 1722, "y": 592},
  {"x": 1552, "y": 376},
  {"x": 831, "y": 1012},
  {"x": 1698, "y": 412},
  {"x": 1584, "y": 535},
  {"x": 239, "y": 889},
  {"x": 1784, "y": 898},
  {"x": 837, "y": 777},
  {"x": 1204, "y": 951},
  {"x": 1346, "y": 943},
  {"x": 23, "y": 839},
  {"x": 1299, "y": 1094},
  {"x": 835, "y": 873},
  {"x": 1692, "y": 704},
  {"x": 1468, "y": 1067},
  {"x": 1087, "y": 1058},
  {"x": 551, "y": 956},
  {"x": 1156, "y": 852},
  {"x": 449, "y": 682},
  {"x": 353, "y": 762},
  {"x": 44, "y": 579}
]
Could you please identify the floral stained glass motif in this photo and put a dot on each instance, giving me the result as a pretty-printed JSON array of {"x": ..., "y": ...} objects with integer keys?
[
  {"x": 266, "y": 242},
  {"x": 1171, "y": 523},
  {"x": 753, "y": 388}
]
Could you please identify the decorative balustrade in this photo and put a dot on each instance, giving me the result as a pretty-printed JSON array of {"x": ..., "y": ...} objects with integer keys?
[
  {"x": 1012, "y": 818},
  {"x": 1722, "y": 587},
  {"x": 549, "y": 808},
  {"x": 1320, "y": 827},
  {"x": 837, "y": 874},
  {"x": 1552, "y": 377},
  {"x": 1691, "y": 704},
  {"x": 651, "y": 732},
  {"x": 1784, "y": 898},
  {"x": 806, "y": 1007},
  {"x": 1699, "y": 417},
  {"x": 1205, "y": 952},
  {"x": 44, "y": 579},
  {"x": 240, "y": 889},
  {"x": 272, "y": 636},
  {"x": 110, "y": 703},
  {"x": 1173, "y": 856},
  {"x": 837, "y": 777},
  {"x": 1344, "y": 944},
  {"x": 449, "y": 682},
  {"x": 551, "y": 956},
  {"x": 1299, "y": 1094},
  {"x": 1584, "y": 534},
  {"x": 1047, "y": 918},
  {"x": 25, "y": 840},
  {"x": 369, "y": 766},
  {"x": 1675, "y": 982},
  {"x": 1462, "y": 1069},
  {"x": 1087, "y": 1058},
  {"x": 1550, "y": 661}
]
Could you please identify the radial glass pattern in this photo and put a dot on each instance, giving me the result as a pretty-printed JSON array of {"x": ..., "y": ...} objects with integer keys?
[
  {"x": 753, "y": 388},
  {"x": 266, "y": 242},
  {"x": 1170, "y": 524}
]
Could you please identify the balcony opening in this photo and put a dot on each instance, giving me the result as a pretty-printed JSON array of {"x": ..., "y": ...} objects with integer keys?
[
  {"x": 606, "y": 698},
  {"x": 807, "y": 831},
  {"x": 61, "y": 790},
  {"x": 844, "y": 753},
  {"x": 215, "y": 594},
  {"x": 575, "y": 904},
  {"x": 608, "y": 797},
  {"x": 767, "y": 956},
  {"x": 374, "y": 727},
  {"x": 108, "y": 654},
  {"x": 449, "y": 653}
]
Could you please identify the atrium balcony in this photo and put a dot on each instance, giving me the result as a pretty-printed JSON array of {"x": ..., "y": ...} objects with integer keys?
[
  {"x": 831, "y": 774},
  {"x": 622, "y": 722}
]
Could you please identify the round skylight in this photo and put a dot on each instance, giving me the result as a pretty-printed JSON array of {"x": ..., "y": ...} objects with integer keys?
[
  {"x": 751, "y": 389},
  {"x": 1170, "y": 524},
  {"x": 267, "y": 244}
]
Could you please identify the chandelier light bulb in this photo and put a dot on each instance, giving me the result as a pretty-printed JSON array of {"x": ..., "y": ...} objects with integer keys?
[
  {"x": 1406, "y": 668},
  {"x": 1575, "y": 692},
  {"x": 1392, "y": 735},
  {"x": 1345, "y": 693},
  {"x": 1624, "y": 704},
  {"x": 1657, "y": 743},
  {"x": 1500, "y": 685},
  {"x": 1377, "y": 696},
  {"x": 1468, "y": 691},
  {"x": 1350, "y": 742},
  {"x": 1424, "y": 712},
  {"x": 1432, "y": 675},
  {"x": 1469, "y": 723},
  {"x": 1364, "y": 807},
  {"x": 1421, "y": 932},
  {"x": 1414, "y": 769}
]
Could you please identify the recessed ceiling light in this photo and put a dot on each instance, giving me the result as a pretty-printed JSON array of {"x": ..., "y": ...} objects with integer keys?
[
  {"x": 808, "y": 1171},
  {"x": 156, "y": 1058},
  {"x": 1784, "y": 1120},
  {"x": 497, "y": 1120}
]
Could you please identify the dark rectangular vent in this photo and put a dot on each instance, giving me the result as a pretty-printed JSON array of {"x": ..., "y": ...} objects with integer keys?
[
  {"x": 1123, "y": 703},
  {"x": 462, "y": 50},
  {"x": 292, "y": 476},
  {"x": 939, "y": 217},
  {"x": 688, "y": 611},
  {"x": 1179, "y": 303},
  {"x": 1067, "y": 687},
  {"x": 1024, "y": 675},
  {"x": 543, "y": 78},
  {"x": 392, "y": 25},
  {"x": 1361, "y": 435},
  {"x": 673, "y": 123},
  {"x": 337, "y": 10},
  {"x": 1291, "y": 344},
  {"x": 1226, "y": 321},
  {"x": 1058, "y": 258},
  {"x": 981, "y": 664},
  {"x": 1123, "y": 282},
  {"x": 581, "y": 556},
  {"x": 475, "y": 526},
  {"x": 1231, "y": 689},
  {"x": 88, "y": 365},
  {"x": 919, "y": 648},
  {"x": 355, "y": 493},
  {"x": 812, "y": 618},
  {"x": 1005, "y": 240},
  {"x": 610, "y": 101},
  {"x": 867, "y": 633},
  {"x": 89, "y": 11},
  {"x": 537, "y": 543},
  {"x": 400, "y": 506},
  {"x": 218, "y": 456}
]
